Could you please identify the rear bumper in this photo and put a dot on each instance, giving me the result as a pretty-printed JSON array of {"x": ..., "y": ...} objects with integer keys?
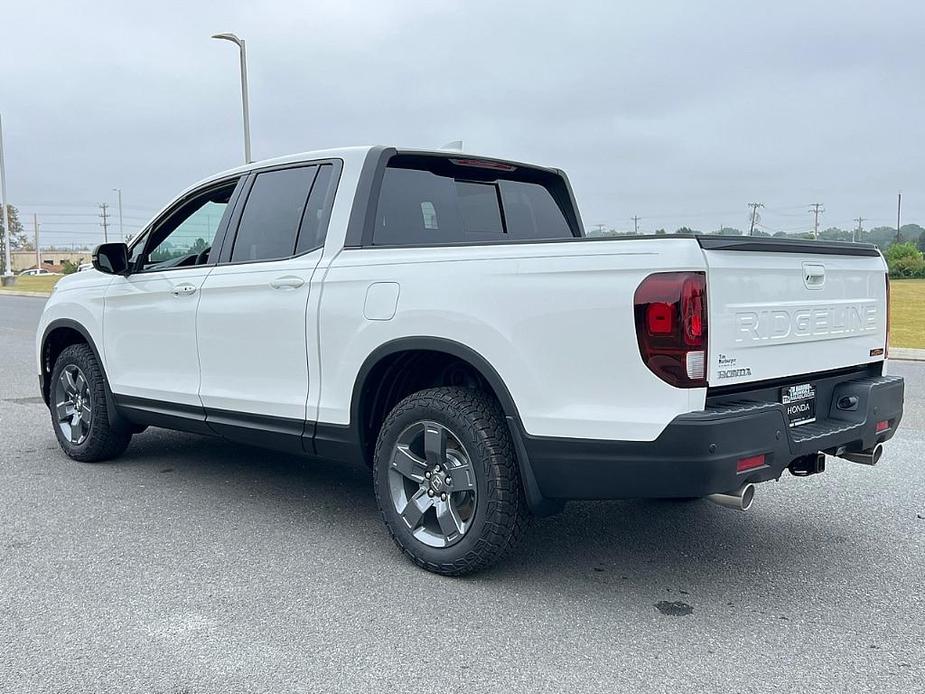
[{"x": 697, "y": 453}]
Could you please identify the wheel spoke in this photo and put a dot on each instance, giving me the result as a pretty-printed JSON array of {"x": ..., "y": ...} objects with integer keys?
[
  {"x": 435, "y": 443},
  {"x": 461, "y": 474},
  {"x": 69, "y": 383},
  {"x": 79, "y": 382},
  {"x": 450, "y": 523},
  {"x": 408, "y": 464},
  {"x": 415, "y": 508}
]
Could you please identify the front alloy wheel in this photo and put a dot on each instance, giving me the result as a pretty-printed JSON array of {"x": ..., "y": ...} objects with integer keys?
[
  {"x": 79, "y": 408},
  {"x": 73, "y": 404}
]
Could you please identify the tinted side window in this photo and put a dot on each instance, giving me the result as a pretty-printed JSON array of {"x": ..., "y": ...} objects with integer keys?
[
  {"x": 272, "y": 214},
  {"x": 317, "y": 211}
]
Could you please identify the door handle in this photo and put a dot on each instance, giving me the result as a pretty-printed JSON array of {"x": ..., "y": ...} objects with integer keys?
[
  {"x": 287, "y": 282},
  {"x": 184, "y": 290}
]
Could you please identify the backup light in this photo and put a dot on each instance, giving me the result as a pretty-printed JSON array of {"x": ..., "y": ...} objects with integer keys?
[{"x": 882, "y": 426}]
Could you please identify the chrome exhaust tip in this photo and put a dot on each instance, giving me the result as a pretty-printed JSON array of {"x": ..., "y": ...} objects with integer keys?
[
  {"x": 869, "y": 457},
  {"x": 740, "y": 499}
]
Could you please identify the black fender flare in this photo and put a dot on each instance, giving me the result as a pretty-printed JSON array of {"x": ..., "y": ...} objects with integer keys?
[
  {"x": 116, "y": 420},
  {"x": 539, "y": 505}
]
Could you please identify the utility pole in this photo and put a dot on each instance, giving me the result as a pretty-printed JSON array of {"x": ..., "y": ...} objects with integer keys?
[
  {"x": 817, "y": 209},
  {"x": 8, "y": 276},
  {"x": 636, "y": 219},
  {"x": 35, "y": 229},
  {"x": 899, "y": 207},
  {"x": 857, "y": 232},
  {"x": 600, "y": 228},
  {"x": 104, "y": 221},
  {"x": 755, "y": 206}
]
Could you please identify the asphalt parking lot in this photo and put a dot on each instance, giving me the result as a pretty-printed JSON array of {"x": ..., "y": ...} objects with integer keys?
[{"x": 194, "y": 565}]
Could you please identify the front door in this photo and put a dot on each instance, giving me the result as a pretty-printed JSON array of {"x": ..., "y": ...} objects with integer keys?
[{"x": 149, "y": 323}]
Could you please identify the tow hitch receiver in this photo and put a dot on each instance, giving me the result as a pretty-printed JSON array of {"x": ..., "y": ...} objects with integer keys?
[{"x": 808, "y": 465}]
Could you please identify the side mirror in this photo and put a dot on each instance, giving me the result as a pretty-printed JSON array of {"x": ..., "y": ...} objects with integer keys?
[{"x": 111, "y": 258}]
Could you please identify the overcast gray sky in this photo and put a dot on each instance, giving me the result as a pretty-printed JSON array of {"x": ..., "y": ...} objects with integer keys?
[{"x": 679, "y": 112}]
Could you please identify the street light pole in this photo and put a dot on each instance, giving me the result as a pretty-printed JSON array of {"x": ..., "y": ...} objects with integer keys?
[
  {"x": 8, "y": 277},
  {"x": 247, "y": 121},
  {"x": 121, "y": 231}
]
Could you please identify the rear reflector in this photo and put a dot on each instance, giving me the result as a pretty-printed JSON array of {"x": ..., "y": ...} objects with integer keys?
[
  {"x": 882, "y": 426},
  {"x": 750, "y": 463}
]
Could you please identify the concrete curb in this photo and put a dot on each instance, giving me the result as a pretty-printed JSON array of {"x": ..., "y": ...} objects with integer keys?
[
  {"x": 906, "y": 354},
  {"x": 16, "y": 292}
]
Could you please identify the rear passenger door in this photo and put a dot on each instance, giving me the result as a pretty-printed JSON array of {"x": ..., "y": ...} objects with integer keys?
[{"x": 251, "y": 323}]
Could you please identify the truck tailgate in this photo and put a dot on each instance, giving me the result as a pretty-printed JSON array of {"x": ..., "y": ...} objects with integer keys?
[{"x": 783, "y": 309}]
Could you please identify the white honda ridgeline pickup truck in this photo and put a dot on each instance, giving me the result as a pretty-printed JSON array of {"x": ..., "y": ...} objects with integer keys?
[{"x": 441, "y": 317}]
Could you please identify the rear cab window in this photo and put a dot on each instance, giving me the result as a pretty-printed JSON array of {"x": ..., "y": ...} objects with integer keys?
[{"x": 427, "y": 199}]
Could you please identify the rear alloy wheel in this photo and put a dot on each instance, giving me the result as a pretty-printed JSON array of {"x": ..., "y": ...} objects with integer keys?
[
  {"x": 79, "y": 411},
  {"x": 447, "y": 482},
  {"x": 430, "y": 470}
]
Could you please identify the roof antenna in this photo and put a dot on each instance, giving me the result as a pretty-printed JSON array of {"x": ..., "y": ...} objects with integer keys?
[{"x": 455, "y": 145}]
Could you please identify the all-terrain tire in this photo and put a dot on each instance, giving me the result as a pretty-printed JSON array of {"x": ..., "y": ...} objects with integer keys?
[
  {"x": 102, "y": 441},
  {"x": 500, "y": 511}
]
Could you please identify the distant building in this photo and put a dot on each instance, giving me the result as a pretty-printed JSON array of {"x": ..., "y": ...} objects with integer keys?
[{"x": 51, "y": 260}]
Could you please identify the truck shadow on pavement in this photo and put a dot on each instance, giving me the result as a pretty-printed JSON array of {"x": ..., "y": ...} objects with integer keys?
[{"x": 679, "y": 551}]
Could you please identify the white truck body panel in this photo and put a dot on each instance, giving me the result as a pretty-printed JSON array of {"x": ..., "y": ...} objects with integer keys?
[{"x": 553, "y": 319}]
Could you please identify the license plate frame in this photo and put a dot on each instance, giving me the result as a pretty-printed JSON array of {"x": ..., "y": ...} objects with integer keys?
[{"x": 799, "y": 402}]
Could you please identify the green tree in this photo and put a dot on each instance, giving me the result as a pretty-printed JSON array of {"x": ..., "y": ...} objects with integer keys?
[
  {"x": 17, "y": 235},
  {"x": 905, "y": 260}
]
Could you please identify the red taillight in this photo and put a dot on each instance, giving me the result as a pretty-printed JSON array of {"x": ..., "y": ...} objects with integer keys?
[
  {"x": 750, "y": 463},
  {"x": 671, "y": 326},
  {"x": 886, "y": 346},
  {"x": 883, "y": 426}
]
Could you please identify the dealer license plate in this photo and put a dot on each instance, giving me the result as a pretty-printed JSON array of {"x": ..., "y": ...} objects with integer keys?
[{"x": 800, "y": 403}]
